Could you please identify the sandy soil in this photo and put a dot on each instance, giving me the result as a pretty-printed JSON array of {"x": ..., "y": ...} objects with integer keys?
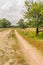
[
  {"x": 6, "y": 51},
  {"x": 5, "y": 47},
  {"x": 9, "y": 49},
  {"x": 31, "y": 55}
]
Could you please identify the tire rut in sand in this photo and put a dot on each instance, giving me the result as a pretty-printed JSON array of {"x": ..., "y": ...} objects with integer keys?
[{"x": 10, "y": 53}]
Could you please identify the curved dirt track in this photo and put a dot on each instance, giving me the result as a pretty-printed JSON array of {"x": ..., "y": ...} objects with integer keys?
[
  {"x": 10, "y": 53},
  {"x": 31, "y": 55}
]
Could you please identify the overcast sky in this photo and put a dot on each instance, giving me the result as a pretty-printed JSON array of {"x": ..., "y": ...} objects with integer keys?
[{"x": 12, "y": 9}]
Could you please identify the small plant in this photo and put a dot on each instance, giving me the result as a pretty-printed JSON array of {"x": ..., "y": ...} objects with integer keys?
[{"x": 20, "y": 59}]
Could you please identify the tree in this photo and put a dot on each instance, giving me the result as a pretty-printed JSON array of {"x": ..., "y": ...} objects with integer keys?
[
  {"x": 21, "y": 23},
  {"x": 34, "y": 11},
  {"x": 5, "y": 23},
  {"x": 31, "y": 23}
]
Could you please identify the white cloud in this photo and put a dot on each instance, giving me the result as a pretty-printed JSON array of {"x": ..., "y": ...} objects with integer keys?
[
  {"x": 20, "y": 2},
  {"x": 11, "y": 9},
  {"x": 7, "y": 6}
]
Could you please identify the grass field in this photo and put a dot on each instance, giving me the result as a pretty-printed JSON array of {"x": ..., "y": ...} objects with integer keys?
[{"x": 30, "y": 35}]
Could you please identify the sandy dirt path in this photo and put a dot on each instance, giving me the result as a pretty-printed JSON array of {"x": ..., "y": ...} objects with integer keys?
[
  {"x": 31, "y": 55},
  {"x": 10, "y": 53},
  {"x": 4, "y": 33},
  {"x": 6, "y": 47}
]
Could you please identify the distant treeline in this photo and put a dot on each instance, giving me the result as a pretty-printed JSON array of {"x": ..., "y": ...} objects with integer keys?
[{"x": 4, "y": 23}]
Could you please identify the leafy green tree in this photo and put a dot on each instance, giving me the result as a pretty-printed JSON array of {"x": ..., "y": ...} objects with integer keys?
[
  {"x": 21, "y": 23},
  {"x": 31, "y": 23},
  {"x": 1, "y": 23},
  {"x": 34, "y": 11},
  {"x": 5, "y": 23}
]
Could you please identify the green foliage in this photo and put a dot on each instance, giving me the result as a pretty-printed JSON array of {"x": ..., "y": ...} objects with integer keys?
[
  {"x": 34, "y": 11},
  {"x": 31, "y": 23},
  {"x": 4, "y": 23},
  {"x": 21, "y": 23},
  {"x": 31, "y": 34}
]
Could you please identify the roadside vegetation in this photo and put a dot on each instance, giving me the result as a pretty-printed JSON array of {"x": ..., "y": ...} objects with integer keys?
[{"x": 30, "y": 36}]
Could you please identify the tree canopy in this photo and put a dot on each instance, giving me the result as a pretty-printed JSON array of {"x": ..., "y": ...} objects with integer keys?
[
  {"x": 34, "y": 12},
  {"x": 21, "y": 23},
  {"x": 4, "y": 23}
]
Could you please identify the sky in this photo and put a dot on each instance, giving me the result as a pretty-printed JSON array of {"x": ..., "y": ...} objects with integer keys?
[{"x": 12, "y": 10}]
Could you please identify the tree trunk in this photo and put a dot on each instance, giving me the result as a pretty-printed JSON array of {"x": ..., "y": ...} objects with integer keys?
[{"x": 37, "y": 31}]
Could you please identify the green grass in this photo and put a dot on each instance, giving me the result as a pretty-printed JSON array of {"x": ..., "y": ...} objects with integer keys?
[{"x": 31, "y": 34}]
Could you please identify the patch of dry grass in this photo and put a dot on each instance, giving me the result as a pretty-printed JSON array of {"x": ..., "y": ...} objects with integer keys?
[{"x": 30, "y": 29}]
